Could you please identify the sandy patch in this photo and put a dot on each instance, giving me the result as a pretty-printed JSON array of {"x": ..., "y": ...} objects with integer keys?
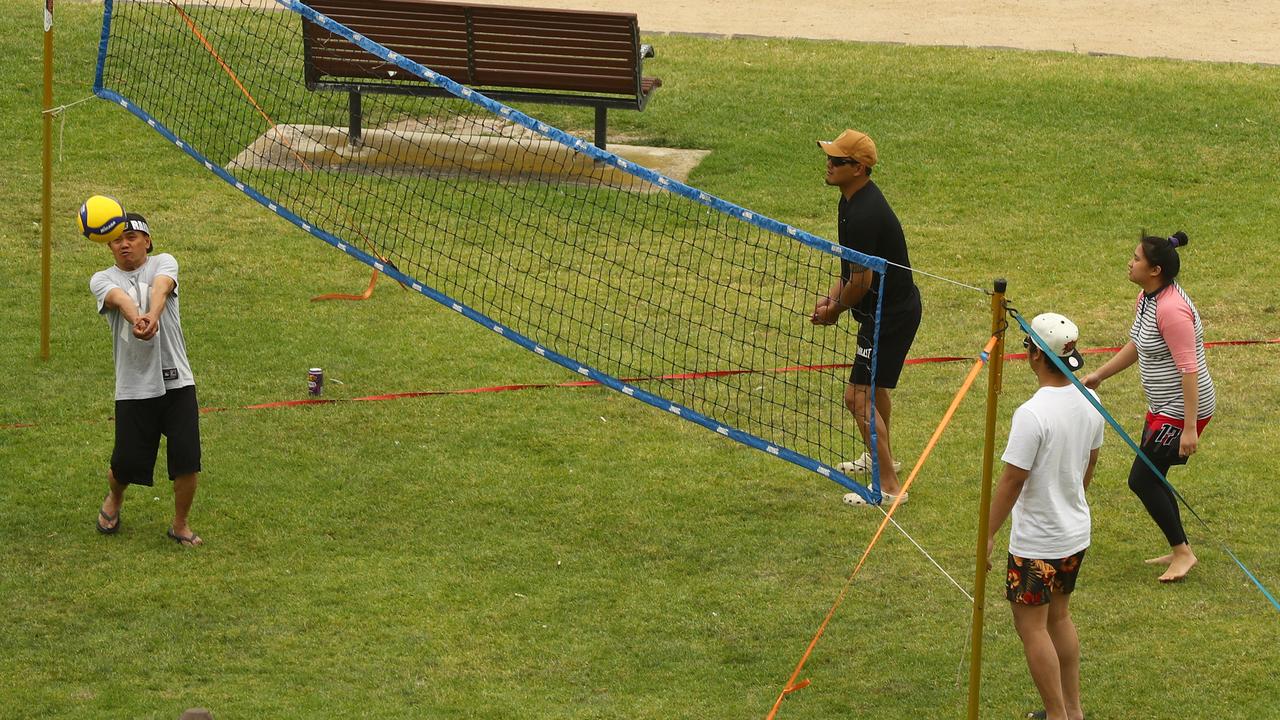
[{"x": 1218, "y": 30}]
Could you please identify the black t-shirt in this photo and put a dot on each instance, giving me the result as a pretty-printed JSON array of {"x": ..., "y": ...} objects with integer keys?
[{"x": 867, "y": 224}]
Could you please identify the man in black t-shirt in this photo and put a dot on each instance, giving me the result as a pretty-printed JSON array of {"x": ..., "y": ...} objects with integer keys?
[{"x": 867, "y": 224}]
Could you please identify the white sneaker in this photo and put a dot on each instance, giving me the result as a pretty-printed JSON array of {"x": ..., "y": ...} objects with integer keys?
[
  {"x": 886, "y": 500},
  {"x": 862, "y": 465}
]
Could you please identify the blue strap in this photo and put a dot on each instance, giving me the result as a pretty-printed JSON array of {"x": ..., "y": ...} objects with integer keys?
[{"x": 1125, "y": 436}]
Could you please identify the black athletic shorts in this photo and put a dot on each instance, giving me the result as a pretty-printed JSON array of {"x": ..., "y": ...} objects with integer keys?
[
  {"x": 897, "y": 332},
  {"x": 1162, "y": 438},
  {"x": 139, "y": 425}
]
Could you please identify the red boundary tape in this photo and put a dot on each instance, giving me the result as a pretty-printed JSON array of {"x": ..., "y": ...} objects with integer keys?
[{"x": 674, "y": 376}]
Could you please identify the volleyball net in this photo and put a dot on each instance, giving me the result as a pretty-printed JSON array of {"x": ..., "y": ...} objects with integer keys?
[{"x": 616, "y": 272}]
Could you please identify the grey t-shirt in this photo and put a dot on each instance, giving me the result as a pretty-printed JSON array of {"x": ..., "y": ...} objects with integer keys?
[{"x": 145, "y": 368}]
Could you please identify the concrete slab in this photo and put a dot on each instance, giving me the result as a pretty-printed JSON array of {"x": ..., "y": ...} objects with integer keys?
[{"x": 412, "y": 148}]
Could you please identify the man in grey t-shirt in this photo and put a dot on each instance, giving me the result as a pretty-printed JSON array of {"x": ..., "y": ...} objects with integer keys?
[{"x": 155, "y": 389}]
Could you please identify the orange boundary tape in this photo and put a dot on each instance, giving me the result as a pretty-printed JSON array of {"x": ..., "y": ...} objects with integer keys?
[
  {"x": 792, "y": 684},
  {"x": 593, "y": 383}
]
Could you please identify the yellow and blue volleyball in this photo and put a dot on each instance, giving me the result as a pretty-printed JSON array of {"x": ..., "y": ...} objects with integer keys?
[{"x": 102, "y": 219}]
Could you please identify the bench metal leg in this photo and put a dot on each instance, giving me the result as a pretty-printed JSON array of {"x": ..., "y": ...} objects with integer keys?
[
  {"x": 353, "y": 122},
  {"x": 600, "y": 126}
]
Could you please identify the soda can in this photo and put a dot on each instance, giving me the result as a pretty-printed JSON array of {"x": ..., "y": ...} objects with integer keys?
[{"x": 315, "y": 381}]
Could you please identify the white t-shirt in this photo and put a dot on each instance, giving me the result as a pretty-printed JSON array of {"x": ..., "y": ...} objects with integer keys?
[
  {"x": 145, "y": 368},
  {"x": 1052, "y": 436}
]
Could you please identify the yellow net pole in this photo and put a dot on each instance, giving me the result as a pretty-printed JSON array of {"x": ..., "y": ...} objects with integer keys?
[
  {"x": 793, "y": 684},
  {"x": 995, "y": 367},
  {"x": 46, "y": 192}
]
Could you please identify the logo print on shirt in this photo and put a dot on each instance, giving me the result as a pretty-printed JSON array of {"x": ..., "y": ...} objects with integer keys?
[{"x": 139, "y": 293}]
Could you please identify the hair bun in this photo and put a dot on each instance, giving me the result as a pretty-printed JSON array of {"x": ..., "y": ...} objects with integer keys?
[{"x": 1179, "y": 239}]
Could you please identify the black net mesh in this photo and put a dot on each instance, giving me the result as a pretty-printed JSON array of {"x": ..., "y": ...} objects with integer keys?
[{"x": 600, "y": 266}]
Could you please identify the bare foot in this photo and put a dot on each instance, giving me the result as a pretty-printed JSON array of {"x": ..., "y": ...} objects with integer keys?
[
  {"x": 889, "y": 484},
  {"x": 1162, "y": 560},
  {"x": 1178, "y": 569}
]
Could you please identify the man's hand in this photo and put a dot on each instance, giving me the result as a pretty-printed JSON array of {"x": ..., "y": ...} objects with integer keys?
[
  {"x": 827, "y": 312},
  {"x": 146, "y": 327},
  {"x": 991, "y": 546},
  {"x": 1091, "y": 381}
]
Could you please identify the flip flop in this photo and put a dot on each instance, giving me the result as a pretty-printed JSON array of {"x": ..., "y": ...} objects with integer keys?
[
  {"x": 1036, "y": 715},
  {"x": 191, "y": 540},
  {"x": 102, "y": 515}
]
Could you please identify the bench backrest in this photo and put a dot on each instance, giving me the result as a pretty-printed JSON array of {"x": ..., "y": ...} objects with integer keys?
[{"x": 480, "y": 45}]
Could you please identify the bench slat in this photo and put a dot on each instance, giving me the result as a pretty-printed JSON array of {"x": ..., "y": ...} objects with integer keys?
[
  {"x": 393, "y": 35},
  {"x": 504, "y": 69},
  {"x": 373, "y": 68},
  {"x": 506, "y": 77},
  {"x": 585, "y": 25},
  {"x": 487, "y": 45},
  {"x": 489, "y": 70},
  {"x": 431, "y": 7}
]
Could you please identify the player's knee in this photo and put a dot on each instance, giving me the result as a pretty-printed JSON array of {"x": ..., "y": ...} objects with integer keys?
[
  {"x": 1139, "y": 482},
  {"x": 857, "y": 400}
]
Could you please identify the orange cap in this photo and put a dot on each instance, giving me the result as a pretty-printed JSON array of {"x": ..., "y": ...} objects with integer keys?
[{"x": 852, "y": 144}]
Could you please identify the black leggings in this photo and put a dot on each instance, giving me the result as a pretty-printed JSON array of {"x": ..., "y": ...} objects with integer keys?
[{"x": 1158, "y": 498}]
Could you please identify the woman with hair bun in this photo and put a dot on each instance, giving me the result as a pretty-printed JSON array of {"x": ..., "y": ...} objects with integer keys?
[{"x": 1167, "y": 342}]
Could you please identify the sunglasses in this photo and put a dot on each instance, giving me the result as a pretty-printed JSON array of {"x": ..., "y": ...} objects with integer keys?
[{"x": 839, "y": 161}]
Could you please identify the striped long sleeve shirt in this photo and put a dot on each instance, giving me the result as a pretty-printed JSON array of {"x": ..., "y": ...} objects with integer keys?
[{"x": 1170, "y": 341}]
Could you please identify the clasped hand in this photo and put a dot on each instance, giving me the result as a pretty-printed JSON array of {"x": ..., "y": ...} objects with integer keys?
[
  {"x": 826, "y": 312},
  {"x": 146, "y": 327}
]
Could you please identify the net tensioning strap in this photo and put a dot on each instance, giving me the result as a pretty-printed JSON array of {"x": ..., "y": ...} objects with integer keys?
[
  {"x": 1026, "y": 327},
  {"x": 794, "y": 683}
]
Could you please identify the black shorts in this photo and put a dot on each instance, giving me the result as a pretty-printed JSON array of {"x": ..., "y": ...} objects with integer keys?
[
  {"x": 897, "y": 332},
  {"x": 139, "y": 425},
  {"x": 1161, "y": 438},
  {"x": 1033, "y": 582}
]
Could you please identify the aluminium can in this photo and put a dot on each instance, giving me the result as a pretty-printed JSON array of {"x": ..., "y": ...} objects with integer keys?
[{"x": 315, "y": 381}]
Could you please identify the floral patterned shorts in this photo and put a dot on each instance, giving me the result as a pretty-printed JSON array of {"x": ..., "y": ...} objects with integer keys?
[{"x": 1032, "y": 582}]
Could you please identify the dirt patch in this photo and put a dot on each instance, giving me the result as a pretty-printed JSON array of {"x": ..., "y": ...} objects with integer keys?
[{"x": 1218, "y": 30}]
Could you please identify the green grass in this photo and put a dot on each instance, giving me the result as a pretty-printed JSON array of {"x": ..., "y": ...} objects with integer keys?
[{"x": 573, "y": 553}]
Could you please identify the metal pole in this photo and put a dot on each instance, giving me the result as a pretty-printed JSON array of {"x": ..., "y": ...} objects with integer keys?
[
  {"x": 995, "y": 368},
  {"x": 46, "y": 199},
  {"x": 354, "y": 119}
]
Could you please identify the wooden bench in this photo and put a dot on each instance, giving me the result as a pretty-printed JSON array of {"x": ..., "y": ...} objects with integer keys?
[{"x": 538, "y": 55}]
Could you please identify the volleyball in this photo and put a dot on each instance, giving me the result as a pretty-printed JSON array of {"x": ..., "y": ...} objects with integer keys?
[{"x": 101, "y": 218}]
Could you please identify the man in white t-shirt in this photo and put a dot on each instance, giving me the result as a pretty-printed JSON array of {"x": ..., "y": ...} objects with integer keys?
[
  {"x": 1049, "y": 461},
  {"x": 155, "y": 389}
]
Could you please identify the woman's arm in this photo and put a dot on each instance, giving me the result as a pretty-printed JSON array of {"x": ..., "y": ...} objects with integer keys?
[
  {"x": 1127, "y": 356},
  {"x": 1190, "y": 413}
]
